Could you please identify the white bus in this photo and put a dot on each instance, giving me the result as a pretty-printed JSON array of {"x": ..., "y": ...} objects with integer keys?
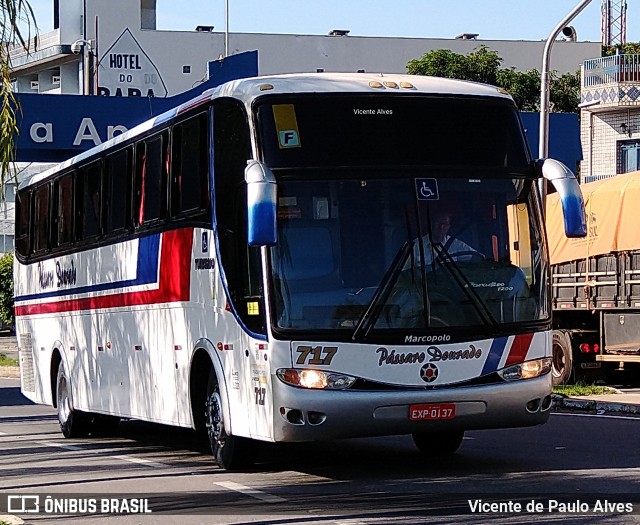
[{"x": 279, "y": 260}]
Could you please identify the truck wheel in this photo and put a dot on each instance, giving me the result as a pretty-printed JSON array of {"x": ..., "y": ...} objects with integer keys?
[
  {"x": 72, "y": 422},
  {"x": 562, "y": 358},
  {"x": 438, "y": 444},
  {"x": 230, "y": 452}
]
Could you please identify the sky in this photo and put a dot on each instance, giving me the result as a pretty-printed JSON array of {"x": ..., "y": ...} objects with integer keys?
[{"x": 491, "y": 19}]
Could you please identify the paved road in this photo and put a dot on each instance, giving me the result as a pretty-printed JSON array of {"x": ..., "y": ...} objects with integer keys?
[{"x": 577, "y": 459}]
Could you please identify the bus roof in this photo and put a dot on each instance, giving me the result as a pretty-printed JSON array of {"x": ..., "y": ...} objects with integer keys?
[{"x": 248, "y": 89}]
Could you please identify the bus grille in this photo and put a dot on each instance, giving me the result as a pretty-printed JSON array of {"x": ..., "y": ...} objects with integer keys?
[{"x": 26, "y": 363}]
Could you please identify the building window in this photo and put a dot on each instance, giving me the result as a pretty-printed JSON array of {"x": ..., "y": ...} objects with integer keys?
[{"x": 628, "y": 156}]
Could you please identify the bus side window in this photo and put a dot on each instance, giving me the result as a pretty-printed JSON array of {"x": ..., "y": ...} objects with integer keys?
[
  {"x": 62, "y": 215},
  {"x": 41, "y": 220},
  {"x": 189, "y": 176},
  {"x": 91, "y": 195},
  {"x": 118, "y": 191},
  {"x": 151, "y": 180},
  {"x": 23, "y": 221}
]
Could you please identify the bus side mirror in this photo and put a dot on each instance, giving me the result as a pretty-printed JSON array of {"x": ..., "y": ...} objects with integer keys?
[
  {"x": 566, "y": 184},
  {"x": 261, "y": 204}
]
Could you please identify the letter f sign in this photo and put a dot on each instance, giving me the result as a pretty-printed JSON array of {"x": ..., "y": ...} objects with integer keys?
[{"x": 289, "y": 139}]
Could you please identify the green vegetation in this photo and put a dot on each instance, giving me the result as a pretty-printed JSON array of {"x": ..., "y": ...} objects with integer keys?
[
  {"x": 7, "y": 361},
  {"x": 630, "y": 48},
  {"x": 581, "y": 389},
  {"x": 6, "y": 290},
  {"x": 483, "y": 65}
]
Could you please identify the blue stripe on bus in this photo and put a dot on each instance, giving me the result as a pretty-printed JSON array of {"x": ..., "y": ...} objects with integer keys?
[
  {"x": 146, "y": 273},
  {"x": 495, "y": 354}
]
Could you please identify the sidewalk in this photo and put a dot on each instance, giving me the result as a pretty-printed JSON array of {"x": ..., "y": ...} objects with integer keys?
[
  {"x": 9, "y": 347},
  {"x": 616, "y": 403}
]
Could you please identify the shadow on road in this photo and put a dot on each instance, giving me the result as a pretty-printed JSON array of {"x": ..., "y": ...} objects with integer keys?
[{"x": 10, "y": 396}]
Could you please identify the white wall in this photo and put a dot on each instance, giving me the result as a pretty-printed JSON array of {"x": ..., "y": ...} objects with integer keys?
[{"x": 164, "y": 53}]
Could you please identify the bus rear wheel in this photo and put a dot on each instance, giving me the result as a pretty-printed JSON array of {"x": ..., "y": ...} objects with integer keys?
[
  {"x": 438, "y": 443},
  {"x": 73, "y": 423},
  {"x": 229, "y": 452}
]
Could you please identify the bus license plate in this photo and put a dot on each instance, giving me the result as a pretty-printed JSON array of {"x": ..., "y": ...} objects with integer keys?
[{"x": 432, "y": 411}]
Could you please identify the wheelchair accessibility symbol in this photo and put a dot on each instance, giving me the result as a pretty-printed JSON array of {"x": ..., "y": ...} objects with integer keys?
[{"x": 427, "y": 189}]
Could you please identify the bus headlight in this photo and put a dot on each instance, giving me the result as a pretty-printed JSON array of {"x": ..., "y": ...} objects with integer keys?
[
  {"x": 308, "y": 378},
  {"x": 526, "y": 370}
]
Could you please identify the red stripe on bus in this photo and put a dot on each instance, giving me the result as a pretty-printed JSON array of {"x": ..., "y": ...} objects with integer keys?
[
  {"x": 519, "y": 349},
  {"x": 174, "y": 286}
]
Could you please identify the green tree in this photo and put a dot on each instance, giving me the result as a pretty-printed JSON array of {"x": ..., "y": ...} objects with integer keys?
[
  {"x": 483, "y": 65},
  {"x": 16, "y": 23},
  {"x": 564, "y": 94},
  {"x": 524, "y": 87},
  {"x": 6, "y": 289},
  {"x": 630, "y": 48}
]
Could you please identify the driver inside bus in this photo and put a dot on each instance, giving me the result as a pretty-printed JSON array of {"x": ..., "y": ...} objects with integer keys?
[{"x": 440, "y": 240}]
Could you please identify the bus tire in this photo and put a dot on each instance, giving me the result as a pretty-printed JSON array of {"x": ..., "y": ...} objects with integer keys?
[
  {"x": 561, "y": 358},
  {"x": 72, "y": 423},
  {"x": 229, "y": 452},
  {"x": 438, "y": 443}
]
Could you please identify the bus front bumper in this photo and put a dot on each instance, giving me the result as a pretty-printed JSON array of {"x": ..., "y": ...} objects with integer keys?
[{"x": 317, "y": 415}]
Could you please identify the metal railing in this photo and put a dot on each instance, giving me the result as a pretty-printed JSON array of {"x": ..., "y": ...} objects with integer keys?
[
  {"x": 593, "y": 178},
  {"x": 611, "y": 70}
]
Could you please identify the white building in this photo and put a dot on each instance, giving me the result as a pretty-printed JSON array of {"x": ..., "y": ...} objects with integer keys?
[
  {"x": 610, "y": 116},
  {"x": 134, "y": 58}
]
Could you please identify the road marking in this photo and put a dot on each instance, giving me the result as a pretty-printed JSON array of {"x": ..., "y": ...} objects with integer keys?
[
  {"x": 630, "y": 418},
  {"x": 122, "y": 457},
  {"x": 3, "y": 434},
  {"x": 254, "y": 493},
  {"x": 141, "y": 461},
  {"x": 58, "y": 445}
]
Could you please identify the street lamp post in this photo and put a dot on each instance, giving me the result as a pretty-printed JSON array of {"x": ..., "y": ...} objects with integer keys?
[
  {"x": 543, "y": 144},
  {"x": 543, "y": 139},
  {"x": 226, "y": 30}
]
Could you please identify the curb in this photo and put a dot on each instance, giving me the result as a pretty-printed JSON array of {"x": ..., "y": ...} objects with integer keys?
[
  {"x": 10, "y": 372},
  {"x": 559, "y": 402}
]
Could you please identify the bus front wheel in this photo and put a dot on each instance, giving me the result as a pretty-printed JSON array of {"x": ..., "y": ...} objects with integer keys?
[
  {"x": 72, "y": 423},
  {"x": 438, "y": 444},
  {"x": 230, "y": 452}
]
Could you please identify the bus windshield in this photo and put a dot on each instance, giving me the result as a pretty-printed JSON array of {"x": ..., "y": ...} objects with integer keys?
[
  {"x": 400, "y": 251},
  {"x": 402, "y": 212}
]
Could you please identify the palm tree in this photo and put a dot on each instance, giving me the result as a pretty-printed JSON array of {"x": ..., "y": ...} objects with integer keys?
[{"x": 17, "y": 21}]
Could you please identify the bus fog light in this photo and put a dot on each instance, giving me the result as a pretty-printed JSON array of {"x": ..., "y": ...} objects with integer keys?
[
  {"x": 526, "y": 370},
  {"x": 317, "y": 379}
]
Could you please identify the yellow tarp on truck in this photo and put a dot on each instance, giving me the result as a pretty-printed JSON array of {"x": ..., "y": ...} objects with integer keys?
[{"x": 612, "y": 207}]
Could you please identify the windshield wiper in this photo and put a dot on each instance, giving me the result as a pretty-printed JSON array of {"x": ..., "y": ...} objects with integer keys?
[
  {"x": 380, "y": 296},
  {"x": 461, "y": 279}
]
